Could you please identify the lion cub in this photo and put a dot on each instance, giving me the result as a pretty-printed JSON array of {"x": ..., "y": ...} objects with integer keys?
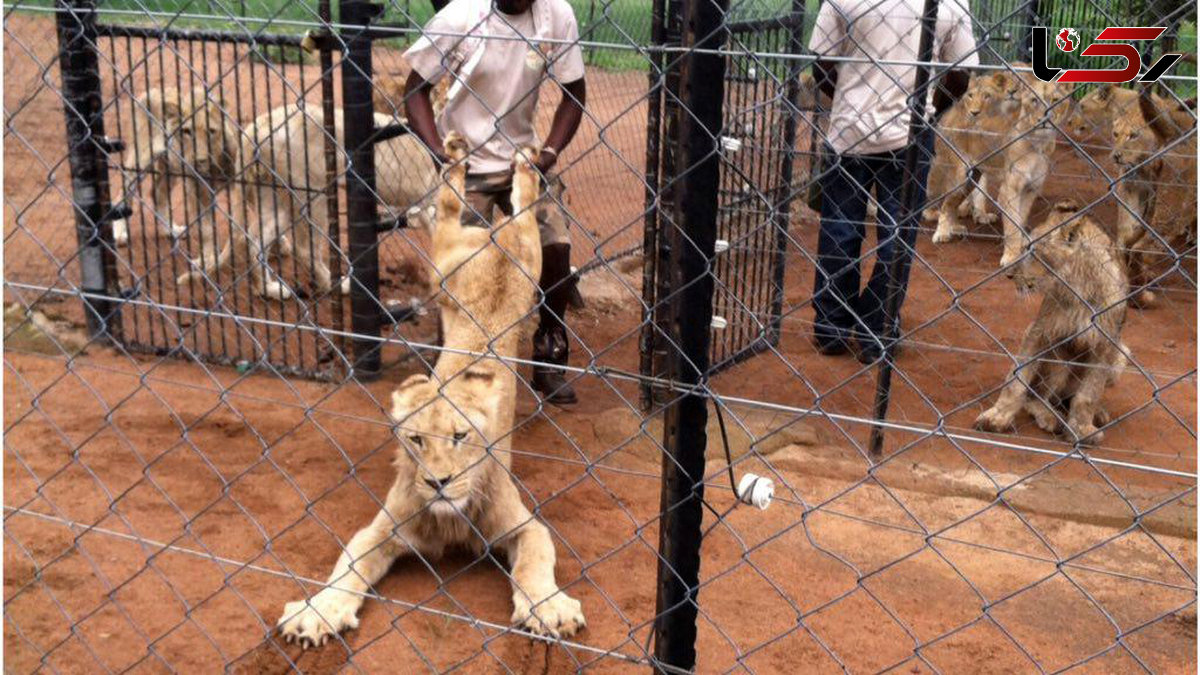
[
  {"x": 453, "y": 483},
  {"x": 1073, "y": 347},
  {"x": 970, "y": 147}
]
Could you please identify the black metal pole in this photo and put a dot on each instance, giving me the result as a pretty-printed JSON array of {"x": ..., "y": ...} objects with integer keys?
[
  {"x": 1031, "y": 20},
  {"x": 652, "y": 246},
  {"x": 783, "y": 208},
  {"x": 359, "y": 127},
  {"x": 702, "y": 87},
  {"x": 88, "y": 158},
  {"x": 901, "y": 260}
]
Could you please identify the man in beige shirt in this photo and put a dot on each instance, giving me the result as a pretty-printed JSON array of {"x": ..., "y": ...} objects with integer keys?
[
  {"x": 498, "y": 54},
  {"x": 866, "y": 143}
]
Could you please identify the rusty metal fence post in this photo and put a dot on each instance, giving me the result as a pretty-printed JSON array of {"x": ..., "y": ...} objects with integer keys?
[{"x": 693, "y": 240}]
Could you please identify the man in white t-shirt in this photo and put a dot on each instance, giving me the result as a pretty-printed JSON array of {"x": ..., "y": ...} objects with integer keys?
[
  {"x": 866, "y": 144},
  {"x": 498, "y": 53}
]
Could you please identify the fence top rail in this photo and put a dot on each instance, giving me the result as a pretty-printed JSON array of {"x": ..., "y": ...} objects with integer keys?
[
  {"x": 397, "y": 31},
  {"x": 204, "y": 35}
]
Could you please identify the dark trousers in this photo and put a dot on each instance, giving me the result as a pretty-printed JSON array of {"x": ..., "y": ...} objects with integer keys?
[{"x": 844, "y": 309}]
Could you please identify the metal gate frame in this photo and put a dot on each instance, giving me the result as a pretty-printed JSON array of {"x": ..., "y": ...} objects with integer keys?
[
  {"x": 112, "y": 311},
  {"x": 755, "y": 197}
]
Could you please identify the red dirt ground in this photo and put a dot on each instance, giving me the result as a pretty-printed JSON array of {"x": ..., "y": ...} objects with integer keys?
[{"x": 202, "y": 492}]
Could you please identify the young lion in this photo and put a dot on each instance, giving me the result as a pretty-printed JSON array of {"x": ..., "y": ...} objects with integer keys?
[
  {"x": 1046, "y": 109},
  {"x": 1139, "y": 135},
  {"x": 453, "y": 484},
  {"x": 284, "y": 166},
  {"x": 1073, "y": 347},
  {"x": 969, "y": 141},
  {"x": 184, "y": 138}
]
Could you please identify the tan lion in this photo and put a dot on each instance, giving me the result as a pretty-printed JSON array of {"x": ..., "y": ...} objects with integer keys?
[
  {"x": 1073, "y": 347},
  {"x": 1096, "y": 111},
  {"x": 454, "y": 485},
  {"x": 1045, "y": 113},
  {"x": 1147, "y": 173},
  {"x": 284, "y": 168},
  {"x": 970, "y": 140},
  {"x": 180, "y": 138}
]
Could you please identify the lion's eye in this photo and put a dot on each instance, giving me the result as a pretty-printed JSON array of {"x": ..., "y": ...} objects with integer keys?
[
  {"x": 415, "y": 440},
  {"x": 459, "y": 436}
]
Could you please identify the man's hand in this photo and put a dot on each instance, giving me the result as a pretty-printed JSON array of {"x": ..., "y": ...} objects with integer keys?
[{"x": 545, "y": 161}]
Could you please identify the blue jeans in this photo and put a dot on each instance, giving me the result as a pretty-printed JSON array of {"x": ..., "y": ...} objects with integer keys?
[{"x": 844, "y": 310}]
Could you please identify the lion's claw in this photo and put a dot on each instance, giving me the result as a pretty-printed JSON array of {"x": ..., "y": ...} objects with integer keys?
[
  {"x": 311, "y": 623},
  {"x": 557, "y": 616}
]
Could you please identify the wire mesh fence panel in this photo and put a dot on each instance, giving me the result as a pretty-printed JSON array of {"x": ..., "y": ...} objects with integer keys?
[
  {"x": 414, "y": 336},
  {"x": 176, "y": 100}
]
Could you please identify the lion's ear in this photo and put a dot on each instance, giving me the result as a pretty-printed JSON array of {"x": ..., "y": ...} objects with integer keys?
[
  {"x": 1000, "y": 78},
  {"x": 403, "y": 398},
  {"x": 1104, "y": 92}
]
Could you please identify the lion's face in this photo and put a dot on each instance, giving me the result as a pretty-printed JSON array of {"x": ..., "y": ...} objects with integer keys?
[
  {"x": 443, "y": 435},
  {"x": 1045, "y": 245},
  {"x": 1042, "y": 101},
  {"x": 997, "y": 92},
  {"x": 1091, "y": 113},
  {"x": 1132, "y": 141}
]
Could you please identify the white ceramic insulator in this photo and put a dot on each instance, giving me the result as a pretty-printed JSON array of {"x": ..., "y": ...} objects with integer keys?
[
  {"x": 719, "y": 322},
  {"x": 731, "y": 144},
  {"x": 721, "y": 246},
  {"x": 756, "y": 490}
]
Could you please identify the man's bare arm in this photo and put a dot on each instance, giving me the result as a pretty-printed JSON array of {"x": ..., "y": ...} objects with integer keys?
[
  {"x": 566, "y": 122},
  {"x": 419, "y": 108}
]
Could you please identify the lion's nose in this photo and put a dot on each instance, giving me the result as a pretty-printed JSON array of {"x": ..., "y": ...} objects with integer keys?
[{"x": 437, "y": 483}]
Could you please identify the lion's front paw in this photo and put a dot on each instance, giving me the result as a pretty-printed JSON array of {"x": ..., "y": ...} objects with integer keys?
[
  {"x": 455, "y": 146},
  {"x": 984, "y": 218},
  {"x": 993, "y": 419},
  {"x": 310, "y": 623},
  {"x": 948, "y": 228},
  {"x": 1085, "y": 432},
  {"x": 524, "y": 158},
  {"x": 276, "y": 290},
  {"x": 559, "y": 615}
]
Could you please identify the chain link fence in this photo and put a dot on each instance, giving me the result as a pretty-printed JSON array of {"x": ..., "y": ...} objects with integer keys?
[{"x": 884, "y": 348}]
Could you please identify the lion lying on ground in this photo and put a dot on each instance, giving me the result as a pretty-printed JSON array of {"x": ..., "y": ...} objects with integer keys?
[
  {"x": 453, "y": 483},
  {"x": 284, "y": 166},
  {"x": 1073, "y": 348},
  {"x": 970, "y": 140},
  {"x": 179, "y": 138}
]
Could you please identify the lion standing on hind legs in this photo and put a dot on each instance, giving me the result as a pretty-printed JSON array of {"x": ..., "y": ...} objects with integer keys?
[
  {"x": 453, "y": 483},
  {"x": 1073, "y": 348}
]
